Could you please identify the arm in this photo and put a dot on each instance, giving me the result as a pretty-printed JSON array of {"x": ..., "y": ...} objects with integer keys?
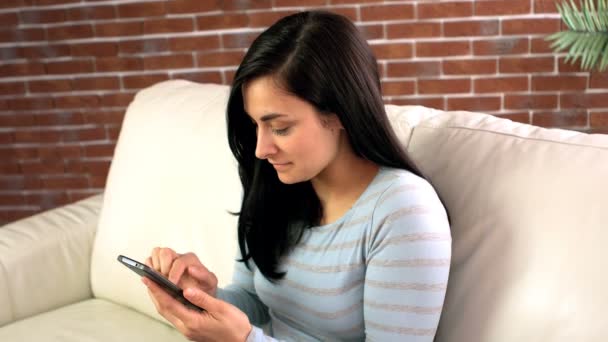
[
  {"x": 45, "y": 259},
  {"x": 408, "y": 266}
]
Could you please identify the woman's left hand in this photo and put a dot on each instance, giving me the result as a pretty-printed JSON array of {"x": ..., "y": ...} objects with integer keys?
[{"x": 219, "y": 322}]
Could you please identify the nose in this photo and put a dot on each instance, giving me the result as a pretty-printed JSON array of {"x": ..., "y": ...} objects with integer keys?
[{"x": 265, "y": 146}]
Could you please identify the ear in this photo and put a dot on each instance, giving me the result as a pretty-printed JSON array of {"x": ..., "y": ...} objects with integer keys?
[{"x": 332, "y": 121}]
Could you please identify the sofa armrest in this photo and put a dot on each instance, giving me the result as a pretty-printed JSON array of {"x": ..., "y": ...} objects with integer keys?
[{"x": 45, "y": 259}]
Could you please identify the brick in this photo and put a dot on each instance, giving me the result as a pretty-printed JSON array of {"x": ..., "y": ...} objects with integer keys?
[
  {"x": 143, "y": 81},
  {"x": 544, "y": 83},
  {"x": 216, "y": 22},
  {"x": 15, "y": 120},
  {"x": 146, "y": 9},
  {"x": 526, "y": 64},
  {"x": 429, "y": 102},
  {"x": 216, "y": 59},
  {"x": 104, "y": 117},
  {"x": 113, "y": 132},
  {"x": 43, "y": 167},
  {"x": 530, "y": 101},
  {"x": 349, "y": 12},
  {"x": 190, "y": 6},
  {"x": 568, "y": 118},
  {"x": 598, "y": 80},
  {"x": 101, "y": 49},
  {"x": 500, "y": 84},
  {"x": 358, "y": 2},
  {"x": 97, "y": 83},
  {"x": 565, "y": 67},
  {"x": 46, "y": 51},
  {"x": 474, "y": 104},
  {"x": 469, "y": 66},
  {"x": 201, "y": 43},
  {"x": 414, "y": 30},
  {"x": 445, "y": 10},
  {"x": 12, "y": 199},
  {"x": 48, "y": 200},
  {"x": 88, "y": 167},
  {"x": 98, "y": 181},
  {"x": 21, "y": 69},
  {"x": 501, "y": 7},
  {"x": 65, "y": 182},
  {"x": 76, "y": 195},
  {"x": 540, "y": 45},
  {"x": 77, "y": 101},
  {"x": 12, "y": 3},
  {"x": 116, "y": 100},
  {"x": 8, "y": 168},
  {"x": 174, "y": 61},
  {"x": 240, "y": 5},
  {"x": 265, "y": 19},
  {"x": 444, "y": 86},
  {"x": 517, "y": 117},
  {"x": 199, "y": 76},
  {"x": 83, "y": 134},
  {"x": 598, "y": 119},
  {"x": 299, "y": 3},
  {"x": 395, "y": 88},
  {"x": 530, "y": 26},
  {"x": 151, "y": 45},
  {"x": 8, "y": 53},
  {"x": 30, "y": 103},
  {"x": 29, "y": 17},
  {"x": 584, "y": 100},
  {"x": 228, "y": 76},
  {"x": 154, "y": 26},
  {"x": 371, "y": 31},
  {"x": 12, "y": 88},
  {"x": 471, "y": 28},
  {"x": 545, "y": 6},
  {"x": 50, "y": 86},
  {"x": 58, "y": 119},
  {"x": 8, "y": 19},
  {"x": 390, "y": 51},
  {"x": 50, "y": 2},
  {"x": 387, "y": 12},
  {"x": 413, "y": 69},
  {"x": 70, "y": 67},
  {"x": 70, "y": 32},
  {"x": 502, "y": 46},
  {"x": 91, "y": 13},
  {"x": 108, "y": 64},
  {"x": 444, "y": 48},
  {"x": 6, "y": 138},
  {"x": 99, "y": 150},
  {"x": 19, "y": 182},
  {"x": 37, "y": 136},
  {"x": 119, "y": 29},
  {"x": 22, "y": 35}
]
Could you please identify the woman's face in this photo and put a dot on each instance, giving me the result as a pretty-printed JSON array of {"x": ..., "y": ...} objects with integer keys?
[{"x": 291, "y": 135}]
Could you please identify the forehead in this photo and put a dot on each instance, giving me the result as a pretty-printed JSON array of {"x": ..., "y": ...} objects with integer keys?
[{"x": 262, "y": 96}]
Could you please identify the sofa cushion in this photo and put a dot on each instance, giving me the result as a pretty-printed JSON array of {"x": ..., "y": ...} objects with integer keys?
[
  {"x": 93, "y": 320},
  {"x": 529, "y": 218},
  {"x": 173, "y": 182}
]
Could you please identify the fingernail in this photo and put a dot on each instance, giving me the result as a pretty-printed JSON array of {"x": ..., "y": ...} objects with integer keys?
[{"x": 189, "y": 292}]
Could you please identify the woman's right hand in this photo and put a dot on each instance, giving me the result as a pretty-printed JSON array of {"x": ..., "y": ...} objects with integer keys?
[{"x": 184, "y": 270}]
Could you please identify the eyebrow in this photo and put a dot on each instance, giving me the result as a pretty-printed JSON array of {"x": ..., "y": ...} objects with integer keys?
[{"x": 271, "y": 116}]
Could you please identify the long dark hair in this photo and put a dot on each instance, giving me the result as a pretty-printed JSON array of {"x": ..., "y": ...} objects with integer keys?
[{"x": 322, "y": 58}]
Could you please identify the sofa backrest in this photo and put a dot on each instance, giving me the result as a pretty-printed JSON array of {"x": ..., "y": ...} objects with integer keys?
[
  {"x": 529, "y": 223},
  {"x": 173, "y": 182}
]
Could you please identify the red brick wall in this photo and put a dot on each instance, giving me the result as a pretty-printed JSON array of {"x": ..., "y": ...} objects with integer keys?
[{"x": 68, "y": 69}]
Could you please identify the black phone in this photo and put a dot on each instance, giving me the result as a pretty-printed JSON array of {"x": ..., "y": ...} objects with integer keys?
[{"x": 145, "y": 271}]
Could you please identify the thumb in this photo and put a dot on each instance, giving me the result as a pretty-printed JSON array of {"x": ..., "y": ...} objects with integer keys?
[{"x": 201, "y": 299}]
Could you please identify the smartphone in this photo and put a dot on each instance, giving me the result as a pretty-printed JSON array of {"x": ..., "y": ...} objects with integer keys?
[{"x": 164, "y": 283}]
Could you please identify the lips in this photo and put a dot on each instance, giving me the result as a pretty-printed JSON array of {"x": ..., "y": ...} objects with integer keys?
[{"x": 280, "y": 166}]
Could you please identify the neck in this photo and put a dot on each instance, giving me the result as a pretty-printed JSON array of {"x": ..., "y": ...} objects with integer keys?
[{"x": 342, "y": 183}]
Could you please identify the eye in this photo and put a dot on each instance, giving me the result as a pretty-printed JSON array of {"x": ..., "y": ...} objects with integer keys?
[{"x": 283, "y": 131}]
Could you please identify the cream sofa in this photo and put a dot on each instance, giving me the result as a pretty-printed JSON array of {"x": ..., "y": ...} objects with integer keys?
[{"x": 528, "y": 209}]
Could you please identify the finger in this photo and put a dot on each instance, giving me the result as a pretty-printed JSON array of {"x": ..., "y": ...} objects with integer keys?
[
  {"x": 155, "y": 258},
  {"x": 148, "y": 262},
  {"x": 180, "y": 264},
  {"x": 166, "y": 257},
  {"x": 202, "y": 274}
]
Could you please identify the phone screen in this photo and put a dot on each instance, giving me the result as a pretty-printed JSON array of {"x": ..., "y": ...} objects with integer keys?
[{"x": 145, "y": 271}]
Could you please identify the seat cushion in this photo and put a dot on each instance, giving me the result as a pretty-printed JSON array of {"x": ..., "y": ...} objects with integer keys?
[
  {"x": 529, "y": 218},
  {"x": 94, "y": 320}
]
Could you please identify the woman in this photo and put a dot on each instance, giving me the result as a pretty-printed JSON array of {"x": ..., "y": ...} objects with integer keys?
[{"x": 340, "y": 236}]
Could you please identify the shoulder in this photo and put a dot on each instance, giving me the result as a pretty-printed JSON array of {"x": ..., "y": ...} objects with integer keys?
[{"x": 409, "y": 199}]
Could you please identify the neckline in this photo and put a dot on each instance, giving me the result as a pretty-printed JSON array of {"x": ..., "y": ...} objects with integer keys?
[{"x": 350, "y": 211}]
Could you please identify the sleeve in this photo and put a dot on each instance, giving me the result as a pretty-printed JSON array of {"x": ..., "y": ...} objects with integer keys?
[
  {"x": 242, "y": 294},
  {"x": 408, "y": 263}
]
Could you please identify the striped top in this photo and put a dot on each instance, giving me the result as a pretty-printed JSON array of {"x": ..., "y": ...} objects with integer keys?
[{"x": 378, "y": 273}]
